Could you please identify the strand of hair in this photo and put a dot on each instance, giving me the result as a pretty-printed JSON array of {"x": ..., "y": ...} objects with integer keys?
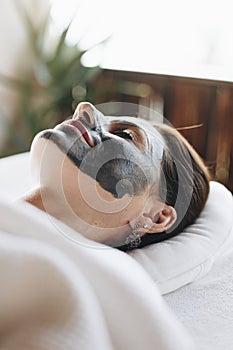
[{"x": 190, "y": 127}]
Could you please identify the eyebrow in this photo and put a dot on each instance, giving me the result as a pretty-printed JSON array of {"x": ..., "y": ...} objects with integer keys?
[{"x": 125, "y": 122}]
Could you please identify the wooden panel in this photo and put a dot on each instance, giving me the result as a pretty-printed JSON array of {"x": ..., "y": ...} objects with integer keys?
[
  {"x": 224, "y": 110},
  {"x": 230, "y": 181},
  {"x": 188, "y": 105},
  {"x": 184, "y": 102}
]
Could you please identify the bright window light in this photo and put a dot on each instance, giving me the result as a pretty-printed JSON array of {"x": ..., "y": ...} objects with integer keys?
[{"x": 179, "y": 37}]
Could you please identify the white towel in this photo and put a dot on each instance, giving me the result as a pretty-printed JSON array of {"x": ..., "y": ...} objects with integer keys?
[{"x": 59, "y": 294}]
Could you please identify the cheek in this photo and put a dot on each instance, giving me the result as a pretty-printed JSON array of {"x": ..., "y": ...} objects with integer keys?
[
  {"x": 121, "y": 177},
  {"x": 118, "y": 168},
  {"x": 96, "y": 206},
  {"x": 93, "y": 198}
]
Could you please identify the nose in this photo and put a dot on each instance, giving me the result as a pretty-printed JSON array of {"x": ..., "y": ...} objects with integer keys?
[{"x": 87, "y": 113}]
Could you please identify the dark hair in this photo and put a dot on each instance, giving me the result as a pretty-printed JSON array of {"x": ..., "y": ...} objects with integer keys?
[{"x": 184, "y": 183}]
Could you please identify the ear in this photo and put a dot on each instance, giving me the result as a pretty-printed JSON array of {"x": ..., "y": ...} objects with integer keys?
[{"x": 164, "y": 220}]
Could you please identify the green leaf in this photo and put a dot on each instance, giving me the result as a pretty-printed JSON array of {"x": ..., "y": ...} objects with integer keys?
[{"x": 61, "y": 43}]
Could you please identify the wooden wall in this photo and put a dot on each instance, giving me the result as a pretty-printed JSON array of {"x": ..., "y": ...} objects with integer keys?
[{"x": 184, "y": 102}]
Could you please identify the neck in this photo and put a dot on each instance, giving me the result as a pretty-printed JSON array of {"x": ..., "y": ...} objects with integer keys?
[
  {"x": 34, "y": 197},
  {"x": 47, "y": 201}
]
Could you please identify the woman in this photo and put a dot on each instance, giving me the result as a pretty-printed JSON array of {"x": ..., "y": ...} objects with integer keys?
[{"x": 119, "y": 181}]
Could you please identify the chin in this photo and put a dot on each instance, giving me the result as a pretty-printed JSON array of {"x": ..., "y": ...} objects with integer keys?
[{"x": 45, "y": 159}]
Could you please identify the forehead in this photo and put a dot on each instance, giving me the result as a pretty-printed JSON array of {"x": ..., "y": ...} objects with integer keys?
[
  {"x": 144, "y": 124},
  {"x": 139, "y": 123}
]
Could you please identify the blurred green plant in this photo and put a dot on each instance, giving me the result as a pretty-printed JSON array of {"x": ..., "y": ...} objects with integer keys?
[{"x": 50, "y": 86}]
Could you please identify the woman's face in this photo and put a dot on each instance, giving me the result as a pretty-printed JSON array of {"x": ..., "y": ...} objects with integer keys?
[{"x": 106, "y": 168}]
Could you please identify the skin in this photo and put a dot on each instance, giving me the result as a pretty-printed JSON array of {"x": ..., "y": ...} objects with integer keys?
[{"x": 99, "y": 175}]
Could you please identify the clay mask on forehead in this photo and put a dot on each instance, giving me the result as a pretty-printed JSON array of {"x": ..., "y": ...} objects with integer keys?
[{"x": 119, "y": 166}]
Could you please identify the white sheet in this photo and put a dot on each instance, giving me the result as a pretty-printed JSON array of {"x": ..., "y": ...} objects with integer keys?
[
  {"x": 205, "y": 307},
  {"x": 57, "y": 294},
  {"x": 14, "y": 176}
]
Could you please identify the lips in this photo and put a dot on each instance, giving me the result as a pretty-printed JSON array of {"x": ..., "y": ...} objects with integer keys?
[{"x": 82, "y": 129}]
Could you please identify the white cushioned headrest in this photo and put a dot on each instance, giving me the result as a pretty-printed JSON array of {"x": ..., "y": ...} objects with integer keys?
[{"x": 191, "y": 254}]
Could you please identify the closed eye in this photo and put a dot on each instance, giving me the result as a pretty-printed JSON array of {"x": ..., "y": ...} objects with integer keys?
[{"x": 124, "y": 134}]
